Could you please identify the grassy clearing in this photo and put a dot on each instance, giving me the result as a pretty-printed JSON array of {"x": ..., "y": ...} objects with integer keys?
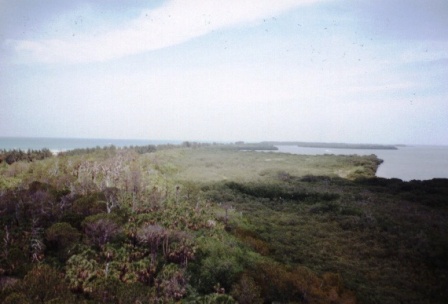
[{"x": 213, "y": 164}]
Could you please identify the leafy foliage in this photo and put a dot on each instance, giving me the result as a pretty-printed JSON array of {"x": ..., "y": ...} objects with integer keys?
[{"x": 12, "y": 156}]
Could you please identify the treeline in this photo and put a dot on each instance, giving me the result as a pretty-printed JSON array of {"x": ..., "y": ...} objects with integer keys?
[
  {"x": 242, "y": 146},
  {"x": 15, "y": 155},
  {"x": 238, "y": 146},
  {"x": 111, "y": 148},
  {"x": 139, "y": 149},
  {"x": 194, "y": 144}
]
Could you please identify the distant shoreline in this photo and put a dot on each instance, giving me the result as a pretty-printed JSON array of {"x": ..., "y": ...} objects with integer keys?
[
  {"x": 332, "y": 145},
  {"x": 65, "y": 144}
]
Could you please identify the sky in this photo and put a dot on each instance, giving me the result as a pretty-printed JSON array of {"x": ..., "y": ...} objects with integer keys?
[{"x": 211, "y": 70}]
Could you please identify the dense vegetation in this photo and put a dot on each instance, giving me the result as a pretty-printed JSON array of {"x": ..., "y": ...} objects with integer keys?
[
  {"x": 202, "y": 224},
  {"x": 12, "y": 156}
]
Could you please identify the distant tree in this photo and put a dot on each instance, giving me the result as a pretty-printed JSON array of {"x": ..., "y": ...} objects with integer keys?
[
  {"x": 144, "y": 149},
  {"x": 12, "y": 156},
  {"x": 246, "y": 291},
  {"x": 111, "y": 195},
  {"x": 44, "y": 284},
  {"x": 17, "y": 298},
  {"x": 89, "y": 204},
  {"x": 178, "y": 247},
  {"x": 152, "y": 235},
  {"x": 101, "y": 229},
  {"x": 171, "y": 283},
  {"x": 135, "y": 178},
  {"x": 37, "y": 246},
  {"x": 62, "y": 236}
]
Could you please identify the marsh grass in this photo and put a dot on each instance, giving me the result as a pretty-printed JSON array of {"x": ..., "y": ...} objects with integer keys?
[
  {"x": 328, "y": 213},
  {"x": 213, "y": 164}
]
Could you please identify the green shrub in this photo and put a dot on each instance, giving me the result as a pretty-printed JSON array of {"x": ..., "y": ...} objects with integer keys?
[
  {"x": 218, "y": 262},
  {"x": 45, "y": 284},
  {"x": 61, "y": 237}
]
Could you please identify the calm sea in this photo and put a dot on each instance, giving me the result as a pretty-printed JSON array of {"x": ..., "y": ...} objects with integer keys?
[
  {"x": 406, "y": 163},
  {"x": 63, "y": 144}
]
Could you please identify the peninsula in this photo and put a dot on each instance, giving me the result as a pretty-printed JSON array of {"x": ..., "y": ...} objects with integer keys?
[{"x": 331, "y": 145}]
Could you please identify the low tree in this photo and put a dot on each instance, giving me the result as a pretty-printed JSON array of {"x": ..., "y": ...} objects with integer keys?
[
  {"x": 44, "y": 284},
  {"x": 101, "y": 228},
  {"x": 152, "y": 235},
  {"x": 61, "y": 237},
  {"x": 246, "y": 291},
  {"x": 111, "y": 195},
  {"x": 171, "y": 283}
]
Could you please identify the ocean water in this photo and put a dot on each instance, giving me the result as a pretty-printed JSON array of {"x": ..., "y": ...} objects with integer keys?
[
  {"x": 63, "y": 144},
  {"x": 407, "y": 163}
]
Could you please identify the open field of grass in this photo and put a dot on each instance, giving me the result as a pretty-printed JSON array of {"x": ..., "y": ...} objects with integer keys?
[{"x": 214, "y": 164}]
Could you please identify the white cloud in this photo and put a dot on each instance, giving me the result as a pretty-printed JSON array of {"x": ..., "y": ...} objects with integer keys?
[{"x": 174, "y": 23}]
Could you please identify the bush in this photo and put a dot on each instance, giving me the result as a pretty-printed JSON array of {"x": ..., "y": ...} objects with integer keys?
[
  {"x": 45, "y": 284},
  {"x": 101, "y": 228},
  {"x": 219, "y": 263},
  {"x": 17, "y": 298},
  {"x": 246, "y": 291},
  {"x": 61, "y": 237}
]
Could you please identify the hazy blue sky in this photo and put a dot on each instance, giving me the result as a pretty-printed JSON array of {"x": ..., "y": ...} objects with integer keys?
[{"x": 337, "y": 71}]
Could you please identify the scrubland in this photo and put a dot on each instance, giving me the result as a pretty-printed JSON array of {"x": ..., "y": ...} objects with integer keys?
[{"x": 217, "y": 225}]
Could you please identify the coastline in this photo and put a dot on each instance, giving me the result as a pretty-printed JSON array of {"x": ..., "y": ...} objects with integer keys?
[
  {"x": 333, "y": 145},
  {"x": 406, "y": 163},
  {"x": 65, "y": 144}
]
